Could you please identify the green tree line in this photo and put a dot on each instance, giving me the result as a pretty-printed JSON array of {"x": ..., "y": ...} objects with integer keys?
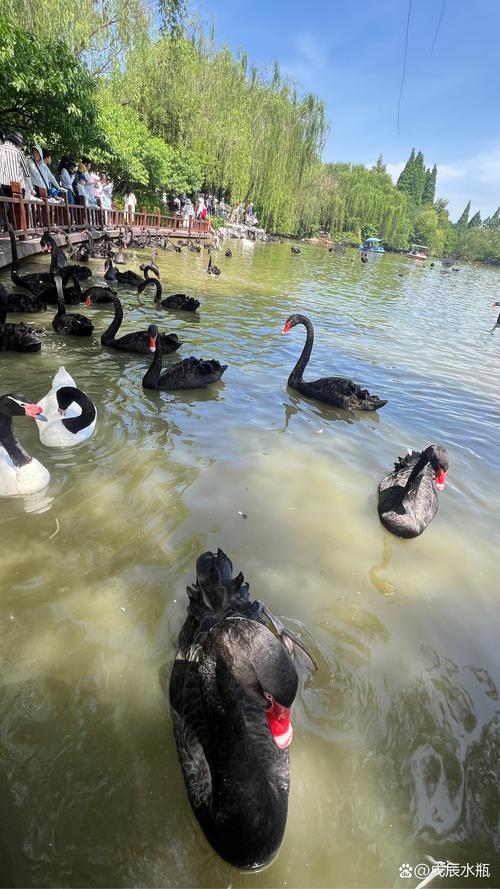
[{"x": 145, "y": 91}]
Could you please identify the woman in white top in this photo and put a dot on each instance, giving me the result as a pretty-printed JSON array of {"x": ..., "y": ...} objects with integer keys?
[{"x": 130, "y": 203}]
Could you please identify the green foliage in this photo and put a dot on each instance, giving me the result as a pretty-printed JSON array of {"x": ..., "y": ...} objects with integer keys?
[
  {"x": 479, "y": 245},
  {"x": 406, "y": 180},
  {"x": 475, "y": 221},
  {"x": 493, "y": 222},
  {"x": 429, "y": 186},
  {"x": 464, "y": 219},
  {"x": 45, "y": 92}
]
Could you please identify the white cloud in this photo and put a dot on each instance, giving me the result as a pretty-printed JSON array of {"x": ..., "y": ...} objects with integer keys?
[{"x": 394, "y": 170}]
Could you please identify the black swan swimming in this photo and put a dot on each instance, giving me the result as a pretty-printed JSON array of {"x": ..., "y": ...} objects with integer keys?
[
  {"x": 132, "y": 279},
  {"x": 41, "y": 284},
  {"x": 191, "y": 373},
  {"x": 152, "y": 266},
  {"x": 22, "y": 302},
  {"x": 228, "y": 252},
  {"x": 139, "y": 341},
  {"x": 69, "y": 325},
  {"x": 231, "y": 689},
  {"x": 295, "y": 250},
  {"x": 16, "y": 337},
  {"x": 337, "y": 391},
  {"x": 495, "y": 306},
  {"x": 408, "y": 499},
  {"x": 59, "y": 263},
  {"x": 178, "y": 301},
  {"x": 212, "y": 269},
  {"x": 98, "y": 295},
  {"x": 32, "y": 282}
]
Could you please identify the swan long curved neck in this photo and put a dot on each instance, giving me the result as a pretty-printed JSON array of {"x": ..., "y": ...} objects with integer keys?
[
  {"x": 109, "y": 334},
  {"x": 87, "y": 416},
  {"x": 61, "y": 306},
  {"x": 153, "y": 372},
  {"x": 149, "y": 282},
  {"x": 13, "y": 249},
  {"x": 301, "y": 365},
  {"x": 417, "y": 469},
  {"x": 9, "y": 441}
]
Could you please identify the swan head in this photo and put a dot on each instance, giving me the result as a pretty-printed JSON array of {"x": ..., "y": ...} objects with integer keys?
[
  {"x": 438, "y": 458},
  {"x": 495, "y": 305},
  {"x": 18, "y": 405},
  {"x": 45, "y": 243},
  {"x": 292, "y": 321},
  {"x": 153, "y": 336}
]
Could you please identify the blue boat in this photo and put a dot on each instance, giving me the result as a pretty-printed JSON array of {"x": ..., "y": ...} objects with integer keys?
[{"x": 372, "y": 245}]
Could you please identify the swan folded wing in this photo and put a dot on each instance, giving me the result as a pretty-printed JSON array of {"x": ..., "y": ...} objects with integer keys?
[{"x": 342, "y": 392}]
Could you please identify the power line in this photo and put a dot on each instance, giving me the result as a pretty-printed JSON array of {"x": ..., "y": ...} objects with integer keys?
[
  {"x": 404, "y": 60},
  {"x": 438, "y": 24}
]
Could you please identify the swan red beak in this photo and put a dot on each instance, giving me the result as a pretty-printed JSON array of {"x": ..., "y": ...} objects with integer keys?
[
  {"x": 439, "y": 479},
  {"x": 278, "y": 718},
  {"x": 286, "y": 327},
  {"x": 152, "y": 343},
  {"x": 34, "y": 410},
  {"x": 88, "y": 301}
]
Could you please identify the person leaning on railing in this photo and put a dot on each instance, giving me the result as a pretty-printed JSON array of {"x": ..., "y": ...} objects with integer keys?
[{"x": 13, "y": 168}]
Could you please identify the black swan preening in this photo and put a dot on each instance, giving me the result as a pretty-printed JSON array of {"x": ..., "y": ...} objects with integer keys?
[
  {"x": 231, "y": 689},
  {"x": 69, "y": 325},
  {"x": 178, "y": 302},
  {"x": 337, "y": 391},
  {"x": 191, "y": 373},
  {"x": 137, "y": 342},
  {"x": 22, "y": 302},
  {"x": 408, "y": 499},
  {"x": 16, "y": 337}
]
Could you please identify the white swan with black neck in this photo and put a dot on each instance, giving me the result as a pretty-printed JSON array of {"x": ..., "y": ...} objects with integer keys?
[
  {"x": 71, "y": 415},
  {"x": 20, "y": 473}
]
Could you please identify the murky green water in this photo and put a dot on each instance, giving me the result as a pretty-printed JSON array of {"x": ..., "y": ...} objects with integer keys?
[{"x": 396, "y": 747}]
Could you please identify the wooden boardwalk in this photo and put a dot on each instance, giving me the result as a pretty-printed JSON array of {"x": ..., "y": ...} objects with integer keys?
[{"x": 31, "y": 218}]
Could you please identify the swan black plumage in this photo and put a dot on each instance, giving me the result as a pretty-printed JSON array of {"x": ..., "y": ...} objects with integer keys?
[
  {"x": 132, "y": 279},
  {"x": 295, "y": 250},
  {"x": 139, "y": 341},
  {"x": 59, "y": 263},
  {"x": 178, "y": 301},
  {"x": 69, "y": 325},
  {"x": 408, "y": 499},
  {"x": 98, "y": 295},
  {"x": 231, "y": 689},
  {"x": 495, "y": 306},
  {"x": 33, "y": 281},
  {"x": 337, "y": 391},
  {"x": 22, "y": 302},
  {"x": 16, "y": 337},
  {"x": 41, "y": 284},
  {"x": 212, "y": 269},
  {"x": 228, "y": 252},
  {"x": 191, "y": 373}
]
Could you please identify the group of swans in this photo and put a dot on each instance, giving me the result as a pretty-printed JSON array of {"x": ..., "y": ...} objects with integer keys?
[{"x": 67, "y": 417}]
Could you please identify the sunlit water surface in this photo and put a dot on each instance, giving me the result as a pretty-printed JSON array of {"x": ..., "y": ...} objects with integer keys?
[{"x": 396, "y": 747}]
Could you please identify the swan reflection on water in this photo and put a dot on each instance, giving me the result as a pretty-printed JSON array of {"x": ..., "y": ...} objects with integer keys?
[
  {"x": 383, "y": 586},
  {"x": 324, "y": 412}
]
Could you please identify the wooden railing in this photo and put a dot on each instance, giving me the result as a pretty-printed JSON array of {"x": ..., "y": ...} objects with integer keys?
[{"x": 30, "y": 217}]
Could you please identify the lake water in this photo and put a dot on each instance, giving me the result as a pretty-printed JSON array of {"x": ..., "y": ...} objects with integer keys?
[{"x": 396, "y": 747}]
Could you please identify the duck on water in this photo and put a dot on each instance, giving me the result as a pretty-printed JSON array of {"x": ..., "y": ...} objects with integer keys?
[
  {"x": 232, "y": 687},
  {"x": 338, "y": 391}
]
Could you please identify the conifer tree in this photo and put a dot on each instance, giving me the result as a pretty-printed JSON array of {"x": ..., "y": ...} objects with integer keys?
[
  {"x": 462, "y": 222},
  {"x": 419, "y": 178},
  {"x": 379, "y": 166},
  {"x": 406, "y": 181},
  {"x": 493, "y": 222},
  {"x": 475, "y": 221},
  {"x": 429, "y": 186}
]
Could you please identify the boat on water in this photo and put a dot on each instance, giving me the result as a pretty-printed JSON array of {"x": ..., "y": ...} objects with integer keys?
[
  {"x": 372, "y": 245},
  {"x": 418, "y": 251}
]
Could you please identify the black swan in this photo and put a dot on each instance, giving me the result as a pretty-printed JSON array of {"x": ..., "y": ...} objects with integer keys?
[
  {"x": 337, "y": 391},
  {"x": 128, "y": 277},
  {"x": 98, "y": 295},
  {"x": 41, "y": 284},
  {"x": 495, "y": 306},
  {"x": 151, "y": 266},
  {"x": 228, "y": 252},
  {"x": 32, "y": 282},
  {"x": 191, "y": 373},
  {"x": 139, "y": 341},
  {"x": 212, "y": 269},
  {"x": 22, "y": 302},
  {"x": 16, "y": 337},
  {"x": 231, "y": 689},
  {"x": 59, "y": 263},
  {"x": 295, "y": 250},
  {"x": 408, "y": 499},
  {"x": 69, "y": 325},
  {"x": 178, "y": 301}
]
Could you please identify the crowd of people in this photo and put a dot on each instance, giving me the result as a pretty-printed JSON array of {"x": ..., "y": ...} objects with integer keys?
[{"x": 78, "y": 184}]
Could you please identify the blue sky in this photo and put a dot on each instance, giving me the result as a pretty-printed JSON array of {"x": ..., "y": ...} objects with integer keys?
[{"x": 351, "y": 54}]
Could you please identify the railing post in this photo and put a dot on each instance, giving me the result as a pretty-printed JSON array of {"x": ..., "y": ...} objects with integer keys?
[
  {"x": 157, "y": 211},
  {"x": 144, "y": 217},
  {"x": 18, "y": 208},
  {"x": 45, "y": 209}
]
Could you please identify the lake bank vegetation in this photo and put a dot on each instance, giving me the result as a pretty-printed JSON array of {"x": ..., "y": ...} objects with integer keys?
[{"x": 146, "y": 92}]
